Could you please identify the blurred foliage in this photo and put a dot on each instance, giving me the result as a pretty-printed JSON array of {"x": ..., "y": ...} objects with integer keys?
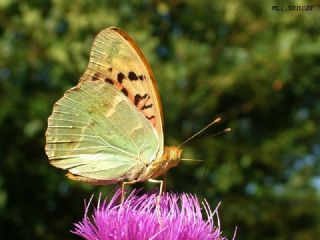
[{"x": 259, "y": 69}]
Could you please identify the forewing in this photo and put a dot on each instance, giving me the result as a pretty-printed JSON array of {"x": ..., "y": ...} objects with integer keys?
[
  {"x": 96, "y": 132},
  {"x": 115, "y": 58}
]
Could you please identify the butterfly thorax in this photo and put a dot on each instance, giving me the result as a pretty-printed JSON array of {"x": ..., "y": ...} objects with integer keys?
[{"x": 170, "y": 158}]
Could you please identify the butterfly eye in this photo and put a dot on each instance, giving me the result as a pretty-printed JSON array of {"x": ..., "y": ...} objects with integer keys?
[{"x": 173, "y": 155}]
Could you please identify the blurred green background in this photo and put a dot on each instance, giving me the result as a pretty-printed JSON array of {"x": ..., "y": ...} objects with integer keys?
[{"x": 259, "y": 69}]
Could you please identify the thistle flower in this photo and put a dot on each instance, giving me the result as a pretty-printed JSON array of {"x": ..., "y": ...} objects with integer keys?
[{"x": 180, "y": 217}]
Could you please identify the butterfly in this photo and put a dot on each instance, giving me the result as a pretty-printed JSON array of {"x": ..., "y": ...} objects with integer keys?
[{"x": 109, "y": 127}]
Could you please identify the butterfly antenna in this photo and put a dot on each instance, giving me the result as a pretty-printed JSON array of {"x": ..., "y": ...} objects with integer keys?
[
  {"x": 199, "y": 160},
  {"x": 223, "y": 131},
  {"x": 191, "y": 160},
  {"x": 216, "y": 120}
]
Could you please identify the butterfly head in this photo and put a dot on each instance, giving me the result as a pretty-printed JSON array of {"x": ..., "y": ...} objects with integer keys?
[{"x": 173, "y": 155}]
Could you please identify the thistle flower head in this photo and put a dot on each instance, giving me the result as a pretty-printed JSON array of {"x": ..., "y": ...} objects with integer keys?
[{"x": 180, "y": 217}]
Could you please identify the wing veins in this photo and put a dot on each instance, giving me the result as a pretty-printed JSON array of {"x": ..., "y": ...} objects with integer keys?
[
  {"x": 68, "y": 120},
  {"x": 76, "y": 149},
  {"x": 107, "y": 144},
  {"x": 133, "y": 143}
]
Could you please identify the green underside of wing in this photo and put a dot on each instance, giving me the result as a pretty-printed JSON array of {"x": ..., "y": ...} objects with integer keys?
[{"x": 96, "y": 132}]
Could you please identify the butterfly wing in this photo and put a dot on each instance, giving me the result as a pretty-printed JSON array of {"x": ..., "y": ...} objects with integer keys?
[
  {"x": 116, "y": 59},
  {"x": 96, "y": 132}
]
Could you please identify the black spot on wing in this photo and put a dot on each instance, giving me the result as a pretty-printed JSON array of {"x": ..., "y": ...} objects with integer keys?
[
  {"x": 141, "y": 77},
  {"x": 150, "y": 117},
  {"x": 132, "y": 76},
  {"x": 138, "y": 98},
  {"x": 146, "y": 106},
  {"x": 120, "y": 77},
  {"x": 109, "y": 80},
  {"x": 110, "y": 69},
  {"x": 125, "y": 91},
  {"x": 95, "y": 77}
]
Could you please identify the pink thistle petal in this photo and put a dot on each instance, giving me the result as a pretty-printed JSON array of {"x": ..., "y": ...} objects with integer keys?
[{"x": 136, "y": 219}]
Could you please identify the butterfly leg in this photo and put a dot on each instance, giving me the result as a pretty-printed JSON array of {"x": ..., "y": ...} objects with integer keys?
[
  {"x": 123, "y": 185},
  {"x": 164, "y": 179},
  {"x": 158, "y": 198}
]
